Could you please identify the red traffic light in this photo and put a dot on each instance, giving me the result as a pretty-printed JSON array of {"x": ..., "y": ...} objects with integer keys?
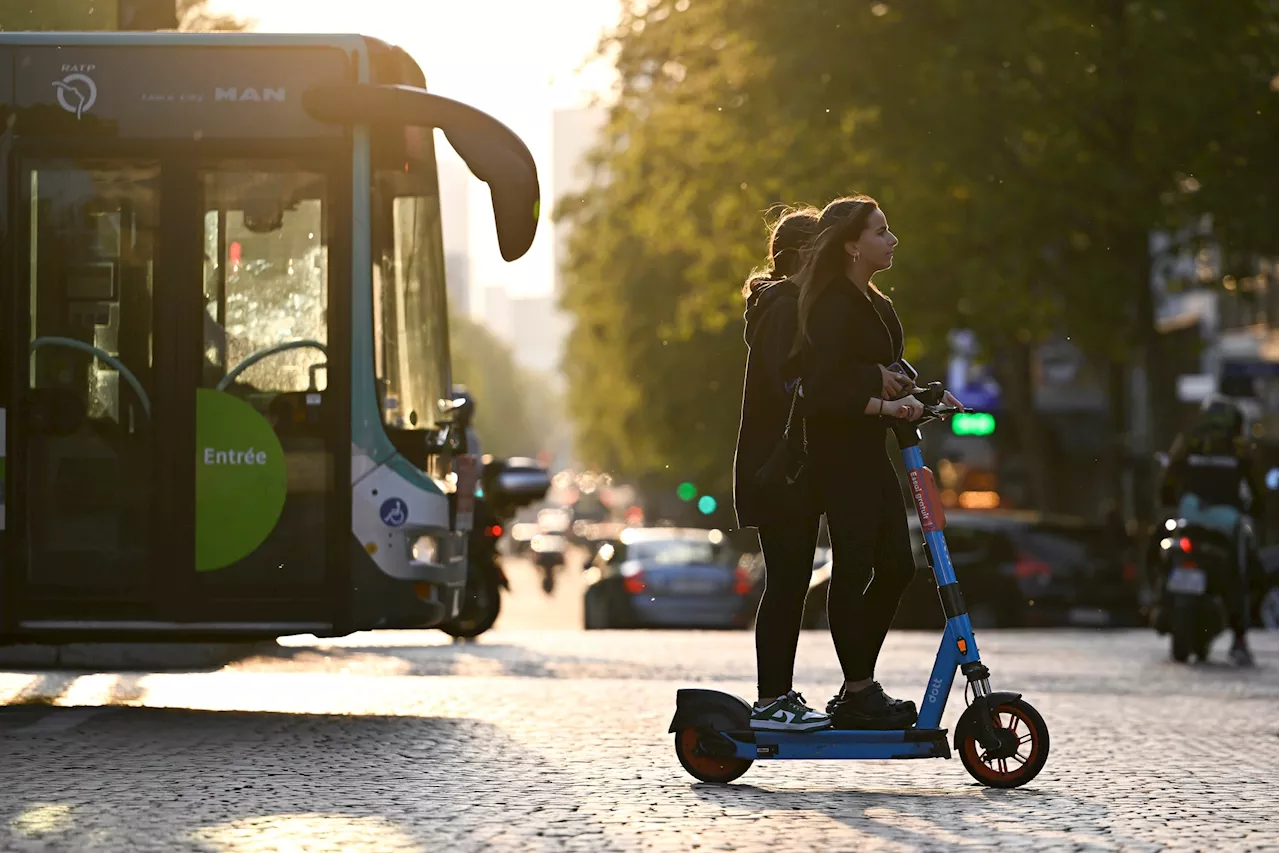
[{"x": 495, "y": 531}]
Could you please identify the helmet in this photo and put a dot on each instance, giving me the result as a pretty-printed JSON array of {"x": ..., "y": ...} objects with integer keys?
[{"x": 1220, "y": 418}]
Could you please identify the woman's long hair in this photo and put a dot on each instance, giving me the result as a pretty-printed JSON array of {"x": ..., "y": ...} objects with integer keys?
[
  {"x": 824, "y": 261},
  {"x": 790, "y": 234}
]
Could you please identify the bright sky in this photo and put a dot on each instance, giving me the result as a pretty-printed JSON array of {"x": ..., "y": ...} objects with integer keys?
[{"x": 515, "y": 59}]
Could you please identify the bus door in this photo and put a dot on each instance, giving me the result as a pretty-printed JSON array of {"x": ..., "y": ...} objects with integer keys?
[
  {"x": 85, "y": 365},
  {"x": 271, "y": 528},
  {"x": 175, "y": 414}
]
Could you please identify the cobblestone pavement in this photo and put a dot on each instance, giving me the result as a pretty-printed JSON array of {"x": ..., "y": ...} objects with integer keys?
[{"x": 555, "y": 740}]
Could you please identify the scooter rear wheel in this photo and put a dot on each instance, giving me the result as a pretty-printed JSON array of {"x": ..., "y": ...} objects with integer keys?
[
  {"x": 1025, "y": 747},
  {"x": 707, "y": 768}
]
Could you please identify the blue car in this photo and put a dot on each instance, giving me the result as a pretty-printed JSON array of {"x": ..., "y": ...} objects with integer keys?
[{"x": 669, "y": 578}]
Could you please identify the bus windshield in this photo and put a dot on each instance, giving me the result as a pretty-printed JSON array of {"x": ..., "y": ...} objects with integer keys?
[{"x": 410, "y": 315}]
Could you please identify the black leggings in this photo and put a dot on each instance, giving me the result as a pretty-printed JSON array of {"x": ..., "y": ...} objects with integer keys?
[
  {"x": 788, "y": 566},
  {"x": 872, "y": 558},
  {"x": 868, "y": 527}
]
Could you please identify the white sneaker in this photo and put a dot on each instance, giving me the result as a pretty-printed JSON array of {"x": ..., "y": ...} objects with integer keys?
[{"x": 787, "y": 713}]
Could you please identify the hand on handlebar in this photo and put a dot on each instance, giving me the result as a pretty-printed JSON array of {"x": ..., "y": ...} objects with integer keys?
[
  {"x": 907, "y": 409},
  {"x": 949, "y": 400},
  {"x": 893, "y": 385}
]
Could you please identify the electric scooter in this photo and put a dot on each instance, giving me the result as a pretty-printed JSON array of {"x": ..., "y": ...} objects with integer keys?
[{"x": 1003, "y": 742}]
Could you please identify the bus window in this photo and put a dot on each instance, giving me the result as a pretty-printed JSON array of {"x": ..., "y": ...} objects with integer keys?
[
  {"x": 269, "y": 286},
  {"x": 411, "y": 344},
  {"x": 88, "y": 484}
]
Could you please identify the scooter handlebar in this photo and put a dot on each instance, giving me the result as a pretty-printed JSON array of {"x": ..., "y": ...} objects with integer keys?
[{"x": 931, "y": 413}]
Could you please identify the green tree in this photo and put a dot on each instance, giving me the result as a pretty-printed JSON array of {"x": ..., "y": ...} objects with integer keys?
[
  {"x": 79, "y": 15},
  {"x": 1023, "y": 152},
  {"x": 512, "y": 405},
  {"x": 194, "y": 16}
]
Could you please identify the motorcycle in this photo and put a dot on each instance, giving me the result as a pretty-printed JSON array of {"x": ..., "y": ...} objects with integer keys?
[
  {"x": 506, "y": 485},
  {"x": 549, "y": 556},
  {"x": 1192, "y": 579}
]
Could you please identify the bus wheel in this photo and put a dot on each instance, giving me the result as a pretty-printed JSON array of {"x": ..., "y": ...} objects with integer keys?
[{"x": 480, "y": 608}]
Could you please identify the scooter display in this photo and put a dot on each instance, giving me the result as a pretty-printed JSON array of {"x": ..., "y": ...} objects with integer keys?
[{"x": 1002, "y": 740}]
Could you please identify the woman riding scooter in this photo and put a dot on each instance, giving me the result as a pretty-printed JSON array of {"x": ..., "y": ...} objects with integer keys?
[{"x": 1210, "y": 480}]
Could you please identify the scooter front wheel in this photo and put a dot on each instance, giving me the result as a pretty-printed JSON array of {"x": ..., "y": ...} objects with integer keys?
[
  {"x": 1023, "y": 751},
  {"x": 715, "y": 769}
]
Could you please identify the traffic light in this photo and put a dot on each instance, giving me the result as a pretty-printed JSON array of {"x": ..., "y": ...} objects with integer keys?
[
  {"x": 975, "y": 423},
  {"x": 686, "y": 491},
  {"x": 706, "y": 504}
]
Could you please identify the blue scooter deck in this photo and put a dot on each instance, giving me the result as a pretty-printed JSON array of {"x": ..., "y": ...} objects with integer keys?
[{"x": 841, "y": 743}]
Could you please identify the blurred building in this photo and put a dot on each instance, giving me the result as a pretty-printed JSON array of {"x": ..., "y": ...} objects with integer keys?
[
  {"x": 574, "y": 132},
  {"x": 495, "y": 312},
  {"x": 538, "y": 330},
  {"x": 455, "y": 192},
  {"x": 1221, "y": 337}
]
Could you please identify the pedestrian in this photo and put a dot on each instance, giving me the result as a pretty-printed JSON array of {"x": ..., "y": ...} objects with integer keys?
[
  {"x": 788, "y": 532},
  {"x": 848, "y": 335}
]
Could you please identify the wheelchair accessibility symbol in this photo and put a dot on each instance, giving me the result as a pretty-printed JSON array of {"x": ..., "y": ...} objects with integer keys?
[{"x": 394, "y": 512}]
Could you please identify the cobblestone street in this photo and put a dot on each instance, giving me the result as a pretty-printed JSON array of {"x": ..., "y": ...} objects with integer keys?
[{"x": 539, "y": 738}]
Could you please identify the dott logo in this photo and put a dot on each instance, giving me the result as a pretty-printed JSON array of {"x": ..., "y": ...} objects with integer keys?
[
  {"x": 76, "y": 93},
  {"x": 935, "y": 688}
]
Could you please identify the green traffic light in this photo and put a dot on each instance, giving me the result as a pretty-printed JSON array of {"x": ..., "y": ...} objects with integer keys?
[
  {"x": 706, "y": 504},
  {"x": 976, "y": 423},
  {"x": 686, "y": 491}
]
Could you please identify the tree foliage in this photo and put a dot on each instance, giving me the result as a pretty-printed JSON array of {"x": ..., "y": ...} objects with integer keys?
[
  {"x": 194, "y": 16},
  {"x": 514, "y": 409},
  {"x": 1022, "y": 151}
]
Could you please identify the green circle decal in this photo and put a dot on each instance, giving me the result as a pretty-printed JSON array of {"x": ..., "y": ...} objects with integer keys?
[{"x": 241, "y": 479}]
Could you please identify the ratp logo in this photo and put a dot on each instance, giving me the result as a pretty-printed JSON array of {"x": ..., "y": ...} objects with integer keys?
[{"x": 77, "y": 93}]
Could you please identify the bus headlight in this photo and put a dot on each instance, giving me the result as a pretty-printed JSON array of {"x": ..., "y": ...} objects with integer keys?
[{"x": 427, "y": 550}]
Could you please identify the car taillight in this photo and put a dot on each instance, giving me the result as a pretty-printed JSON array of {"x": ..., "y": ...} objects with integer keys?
[
  {"x": 632, "y": 577},
  {"x": 1185, "y": 544},
  {"x": 741, "y": 580},
  {"x": 494, "y": 531},
  {"x": 1029, "y": 567}
]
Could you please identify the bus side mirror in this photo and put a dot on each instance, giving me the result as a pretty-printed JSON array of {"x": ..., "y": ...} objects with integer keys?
[{"x": 492, "y": 152}]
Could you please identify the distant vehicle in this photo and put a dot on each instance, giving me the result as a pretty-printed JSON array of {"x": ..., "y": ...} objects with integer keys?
[
  {"x": 1019, "y": 569},
  {"x": 668, "y": 577},
  {"x": 553, "y": 520},
  {"x": 549, "y": 555}
]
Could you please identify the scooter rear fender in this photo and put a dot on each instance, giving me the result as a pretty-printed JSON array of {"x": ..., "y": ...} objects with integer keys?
[{"x": 714, "y": 709}]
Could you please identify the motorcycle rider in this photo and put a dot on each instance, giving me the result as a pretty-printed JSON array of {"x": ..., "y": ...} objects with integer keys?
[{"x": 1210, "y": 479}]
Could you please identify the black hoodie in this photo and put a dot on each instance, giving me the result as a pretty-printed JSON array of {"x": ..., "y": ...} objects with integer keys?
[{"x": 770, "y": 333}]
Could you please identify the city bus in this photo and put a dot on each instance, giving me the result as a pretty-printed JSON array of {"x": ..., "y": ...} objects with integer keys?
[{"x": 225, "y": 407}]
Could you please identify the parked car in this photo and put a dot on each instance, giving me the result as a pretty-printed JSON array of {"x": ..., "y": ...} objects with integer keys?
[
  {"x": 1016, "y": 569},
  {"x": 668, "y": 577}
]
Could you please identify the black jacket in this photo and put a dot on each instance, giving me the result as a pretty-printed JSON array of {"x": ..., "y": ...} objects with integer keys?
[
  {"x": 849, "y": 336},
  {"x": 770, "y": 333},
  {"x": 1219, "y": 476}
]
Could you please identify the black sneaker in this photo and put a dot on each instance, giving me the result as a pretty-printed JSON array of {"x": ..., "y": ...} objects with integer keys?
[
  {"x": 870, "y": 708},
  {"x": 1240, "y": 654},
  {"x": 901, "y": 704}
]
